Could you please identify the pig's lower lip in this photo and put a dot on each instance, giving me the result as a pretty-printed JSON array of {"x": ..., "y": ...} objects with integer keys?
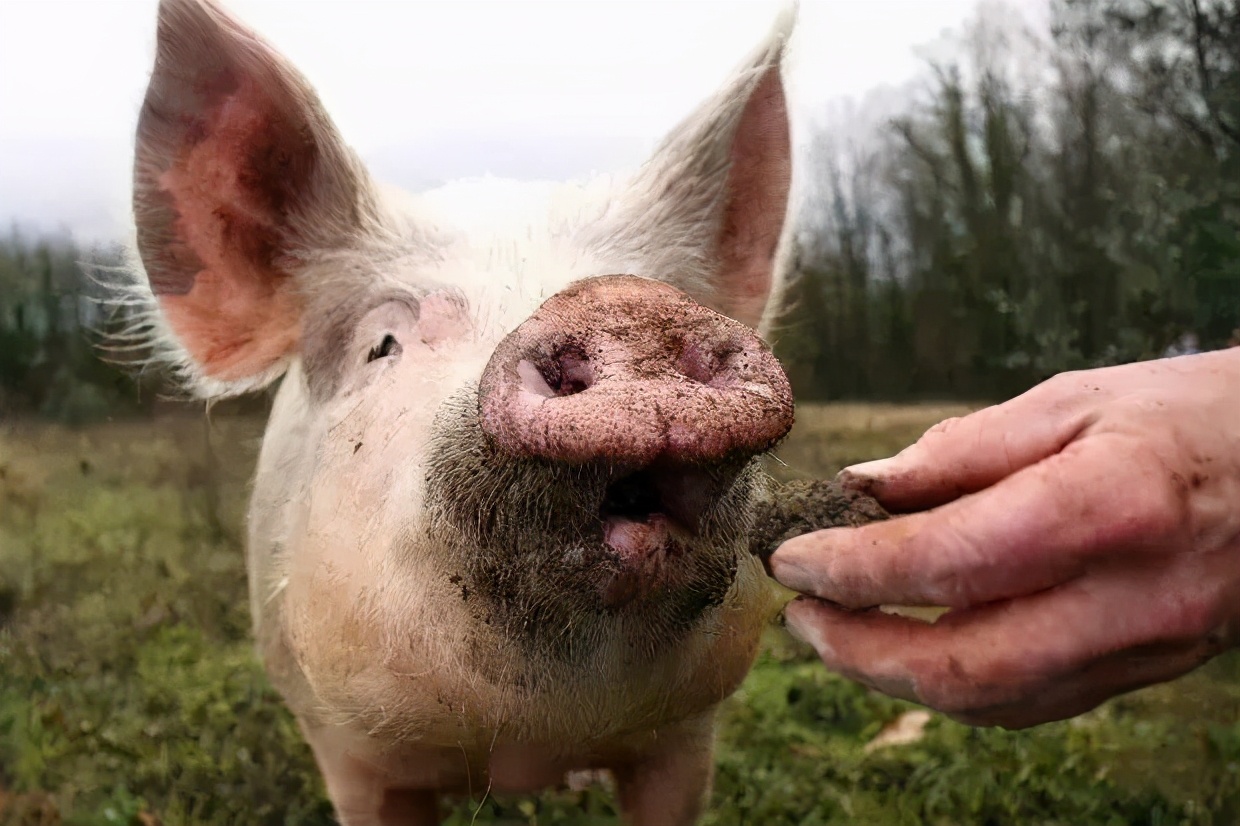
[
  {"x": 638, "y": 541},
  {"x": 643, "y": 547}
]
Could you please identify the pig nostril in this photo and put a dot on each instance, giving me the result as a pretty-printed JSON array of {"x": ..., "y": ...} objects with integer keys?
[
  {"x": 702, "y": 363},
  {"x": 566, "y": 371}
]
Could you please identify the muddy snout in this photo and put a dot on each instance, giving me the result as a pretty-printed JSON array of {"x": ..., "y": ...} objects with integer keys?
[{"x": 629, "y": 371}]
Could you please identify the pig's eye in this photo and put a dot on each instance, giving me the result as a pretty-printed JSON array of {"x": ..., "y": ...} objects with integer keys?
[{"x": 388, "y": 347}]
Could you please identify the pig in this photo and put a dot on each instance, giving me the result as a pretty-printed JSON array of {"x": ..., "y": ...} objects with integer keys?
[{"x": 498, "y": 525}]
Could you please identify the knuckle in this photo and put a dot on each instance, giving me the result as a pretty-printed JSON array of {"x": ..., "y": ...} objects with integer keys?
[
  {"x": 1072, "y": 390},
  {"x": 942, "y": 442},
  {"x": 943, "y": 557},
  {"x": 932, "y": 442},
  {"x": 1059, "y": 384},
  {"x": 1155, "y": 508},
  {"x": 941, "y": 428}
]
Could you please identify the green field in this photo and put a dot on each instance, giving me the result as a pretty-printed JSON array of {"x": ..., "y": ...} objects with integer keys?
[{"x": 129, "y": 693}]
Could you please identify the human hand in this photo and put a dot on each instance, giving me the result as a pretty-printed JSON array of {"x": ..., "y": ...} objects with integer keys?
[{"x": 1085, "y": 535}]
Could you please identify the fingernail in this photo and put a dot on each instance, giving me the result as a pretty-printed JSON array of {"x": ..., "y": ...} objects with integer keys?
[
  {"x": 791, "y": 623},
  {"x": 791, "y": 575},
  {"x": 788, "y": 563},
  {"x": 866, "y": 475},
  {"x": 799, "y": 620}
]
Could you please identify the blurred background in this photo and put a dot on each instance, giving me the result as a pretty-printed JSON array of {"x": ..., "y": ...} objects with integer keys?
[{"x": 990, "y": 193}]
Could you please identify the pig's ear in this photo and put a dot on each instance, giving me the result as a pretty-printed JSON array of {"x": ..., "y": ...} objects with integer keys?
[
  {"x": 238, "y": 175},
  {"x": 707, "y": 211}
]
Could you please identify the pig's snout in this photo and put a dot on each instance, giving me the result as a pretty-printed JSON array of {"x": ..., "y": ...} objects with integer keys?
[{"x": 628, "y": 370}]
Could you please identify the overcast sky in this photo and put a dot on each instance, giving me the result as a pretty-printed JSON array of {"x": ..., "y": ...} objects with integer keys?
[{"x": 429, "y": 90}]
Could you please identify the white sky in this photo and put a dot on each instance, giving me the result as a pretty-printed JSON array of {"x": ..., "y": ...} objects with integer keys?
[{"x": 429, "y": 90}]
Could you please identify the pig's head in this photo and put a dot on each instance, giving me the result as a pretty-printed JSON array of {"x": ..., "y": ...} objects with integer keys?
[{"x": 553, "y": 417}]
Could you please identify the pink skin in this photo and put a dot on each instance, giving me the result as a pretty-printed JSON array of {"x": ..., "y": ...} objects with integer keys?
[
  {"x": 1085, "y": 536},
  {"x": 651, "y": 372}
]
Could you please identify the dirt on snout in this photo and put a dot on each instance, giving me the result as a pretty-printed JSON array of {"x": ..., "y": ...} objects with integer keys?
[{"x": 801, "y": 507}]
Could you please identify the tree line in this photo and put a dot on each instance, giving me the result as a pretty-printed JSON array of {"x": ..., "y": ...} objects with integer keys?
[
  {"x": 1040, "y": 201},
  {"x": 56, "y": 356}
]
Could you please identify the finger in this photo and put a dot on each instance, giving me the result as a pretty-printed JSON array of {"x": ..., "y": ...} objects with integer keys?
[
  {"x": 1084, "y": 691},
  {"x": 963, "y": 455},
  {"x": 1035, "y": 529},
  {"x": 1066, "y": 645}
]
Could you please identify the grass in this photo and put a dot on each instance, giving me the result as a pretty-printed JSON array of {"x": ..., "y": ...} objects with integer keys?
[{"x": 129, "y": 693}]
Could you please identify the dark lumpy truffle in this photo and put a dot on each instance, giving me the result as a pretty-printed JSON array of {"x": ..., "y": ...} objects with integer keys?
[{"x": 794, "y": 508}]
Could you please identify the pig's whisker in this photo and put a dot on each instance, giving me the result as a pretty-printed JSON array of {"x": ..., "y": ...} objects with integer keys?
[
  {"x": 469, "y": 775},
  {"x": 277, "y": 588},
  {"x": 481, "y": 803}
]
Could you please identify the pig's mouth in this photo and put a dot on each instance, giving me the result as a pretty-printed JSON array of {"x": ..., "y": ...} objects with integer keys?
[
  {"x": 562, "y": 555},
  {"x": 676, "y": 494},
  {"x": 648, "y": 518}
]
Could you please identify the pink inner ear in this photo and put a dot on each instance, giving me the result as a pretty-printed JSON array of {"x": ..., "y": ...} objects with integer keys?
[
  {"x": 758, "y": 186},
  {"x": 233, "y": 309}
]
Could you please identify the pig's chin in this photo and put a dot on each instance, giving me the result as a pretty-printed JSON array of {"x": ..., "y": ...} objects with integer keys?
[{"x": 566, "y": 557}]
